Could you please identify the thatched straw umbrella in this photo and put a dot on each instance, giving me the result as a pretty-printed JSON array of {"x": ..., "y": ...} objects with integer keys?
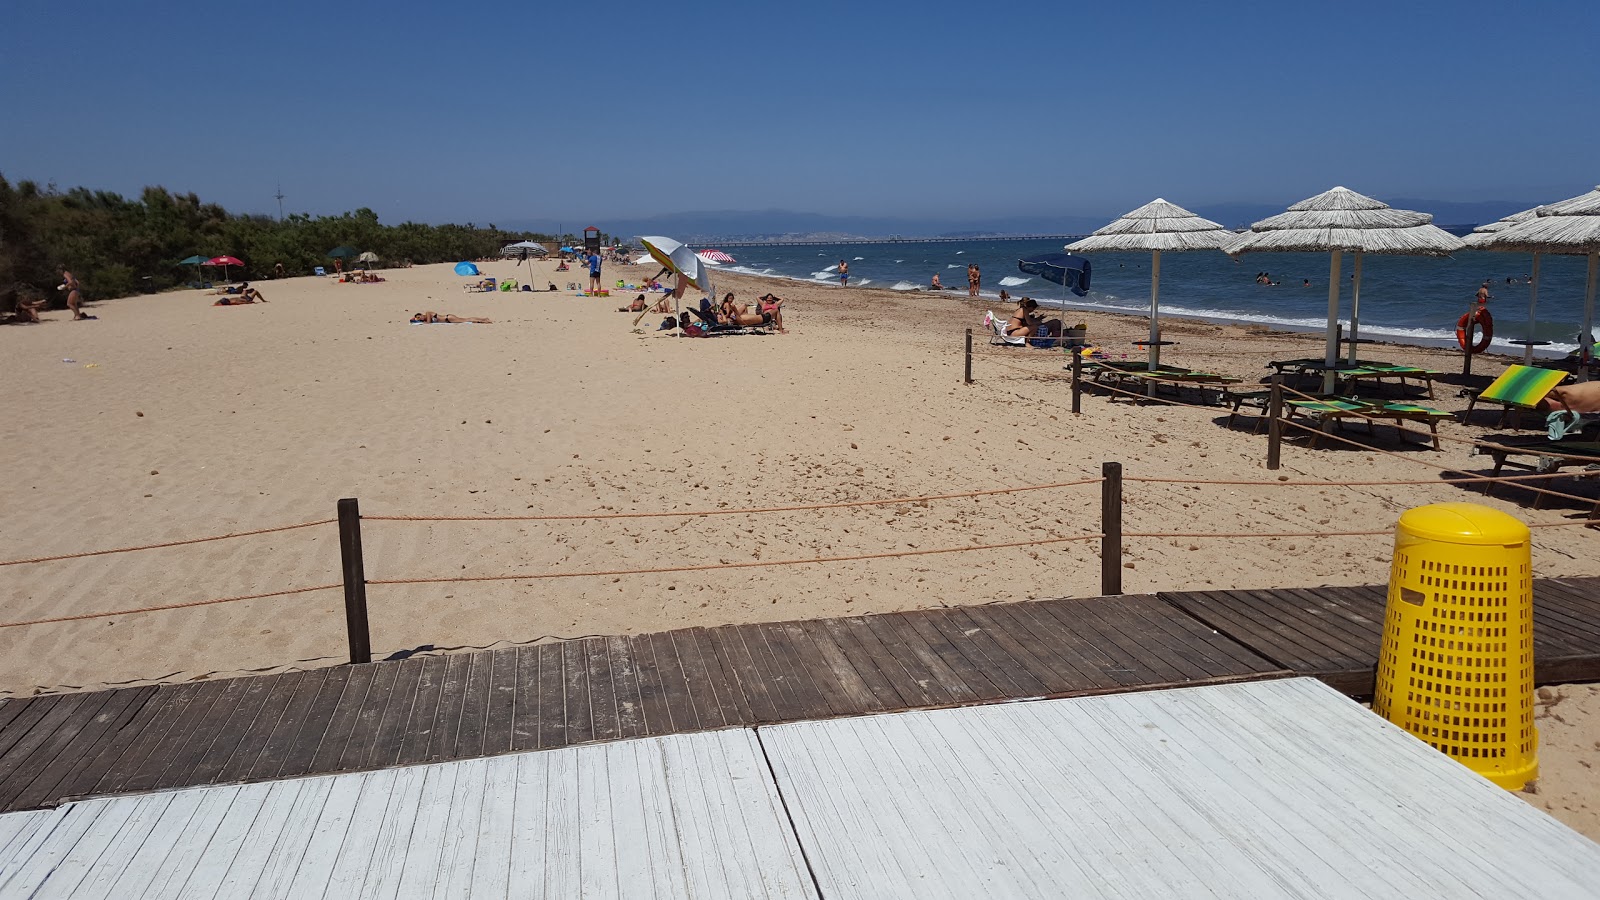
[
  {"x": 1340, "y": 220},
  {"x": 1569, "y": 227},
  {"x": 1481, "y": 238},
  {"x": 1157, "y": 226}
]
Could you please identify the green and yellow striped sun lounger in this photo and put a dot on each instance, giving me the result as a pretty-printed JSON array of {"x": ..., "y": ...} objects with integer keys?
[{"x": 1517, "y": 388}]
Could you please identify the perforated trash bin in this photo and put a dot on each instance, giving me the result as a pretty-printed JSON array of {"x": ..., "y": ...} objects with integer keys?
[{"x": 1456, "y": 667}]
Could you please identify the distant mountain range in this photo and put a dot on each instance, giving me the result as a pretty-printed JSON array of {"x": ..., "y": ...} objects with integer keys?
[{"x": 768, "y": 224}]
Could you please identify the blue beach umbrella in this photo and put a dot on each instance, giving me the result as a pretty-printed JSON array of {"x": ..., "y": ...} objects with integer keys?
[
  {"x": 1065, "y": 269},
  {"x": 466, "y": 268}
]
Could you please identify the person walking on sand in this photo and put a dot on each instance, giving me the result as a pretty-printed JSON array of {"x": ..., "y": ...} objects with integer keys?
[
  {"x": 69, "y": 283},
  {"x": 844, "y": 274},
  {"x": 594, "y": 272},
  {"x": 973, "y": 277}
]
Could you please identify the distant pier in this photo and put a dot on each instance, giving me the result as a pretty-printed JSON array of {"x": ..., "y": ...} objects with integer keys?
[{"x": 895, "y": 240}]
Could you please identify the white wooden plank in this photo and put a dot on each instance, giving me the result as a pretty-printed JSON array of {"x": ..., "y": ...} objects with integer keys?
[
  {"x": 48, "y": 848},
  {"x": 228, "y": 841},
  {"x": 325, "y": 840},
  {"x": 420, "y": 853},
  {"x": 382, "y": 878},
  {"x": 687, "y": 816},
  {"x": 355, "y": 857},
  {"x": 460, "y": 848},
  {"x": 491, "y": 872},
  {"x": 1271, "y": 789},
  {"x": 528, "y": 817}
]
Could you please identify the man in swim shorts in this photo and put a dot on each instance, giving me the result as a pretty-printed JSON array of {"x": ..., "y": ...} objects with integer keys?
[
  {"x": 594, "y": 273},
  {"x": 844, "y": 274}
]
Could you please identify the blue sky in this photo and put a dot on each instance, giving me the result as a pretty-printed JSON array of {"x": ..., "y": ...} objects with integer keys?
[{"x": 500, "y": 112}]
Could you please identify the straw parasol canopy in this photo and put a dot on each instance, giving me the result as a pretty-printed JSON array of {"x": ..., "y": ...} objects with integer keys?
[
  {"x": 1570, "y": 227},
  {"x": 1342, "y": 220},
  {"x": 1156, "y": 226}
]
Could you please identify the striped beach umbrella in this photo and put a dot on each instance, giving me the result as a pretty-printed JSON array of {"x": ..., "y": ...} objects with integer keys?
[{"x": 715, "y": 257}]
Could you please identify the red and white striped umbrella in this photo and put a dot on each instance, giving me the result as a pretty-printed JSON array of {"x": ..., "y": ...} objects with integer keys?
[{"x": 715, "y": 257}]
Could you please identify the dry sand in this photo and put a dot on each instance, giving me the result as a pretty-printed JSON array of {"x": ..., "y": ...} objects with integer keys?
[{"x": 176, "y": 419}]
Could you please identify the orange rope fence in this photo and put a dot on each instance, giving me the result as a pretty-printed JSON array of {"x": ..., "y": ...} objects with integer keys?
[
  {"x": 192, "y": 603},
  {"x": 755, "y": 564},
  {"x": 734, "y": 512},
  {"x": 200, "y": 540}
]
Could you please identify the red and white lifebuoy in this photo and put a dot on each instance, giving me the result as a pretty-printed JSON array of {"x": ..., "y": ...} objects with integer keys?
[{"x": 1485, "y": 323}]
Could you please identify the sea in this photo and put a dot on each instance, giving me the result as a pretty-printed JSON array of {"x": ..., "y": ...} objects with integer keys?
[{"x": 1404, "y": 299}]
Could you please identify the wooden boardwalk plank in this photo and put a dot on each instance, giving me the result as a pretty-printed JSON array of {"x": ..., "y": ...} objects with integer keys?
[
  {"x": 501, "y": 713},
  {"x": 419, "y": 726},
  {"x": 552, "y": 698},
  {"x": 474, "y": 708},
  {"x": 317, "y": 721},
  {"x": 380, "y": 746},
  {"x": 525, "y": 715},
  {"x": 469, "y": 705},
  {"x": 280, "y": 741},
  {"x": 625, "y": 687},
  {"x": 575, "y": 687},
  {"x": 602, "y": 690},
  {"x": 59, "y": 776}
]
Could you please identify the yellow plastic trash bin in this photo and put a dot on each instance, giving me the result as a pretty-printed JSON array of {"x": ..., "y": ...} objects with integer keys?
[{"x": 1456, "y": 667}]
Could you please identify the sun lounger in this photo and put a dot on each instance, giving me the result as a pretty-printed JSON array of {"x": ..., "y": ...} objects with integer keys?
[
  {"x": 1363, "y": 369},
  {"x": 1336, "y": 410},
  {"x": 998, "y": 336},
  {"x": 1138, "y": 377},
  {"x": 1518, "y": 388},
  {"x": 487, "y": 285},
  {"x": 1548, "y": 456}
]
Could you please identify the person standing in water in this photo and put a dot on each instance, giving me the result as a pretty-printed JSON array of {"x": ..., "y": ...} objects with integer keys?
[
  {"x": 1483, "y": 297},
  {"x": 844, "y": 274},
  {"x": 973, "y": 277}
]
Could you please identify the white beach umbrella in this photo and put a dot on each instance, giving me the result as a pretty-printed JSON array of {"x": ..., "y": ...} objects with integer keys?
[
  {"x": 679, "y": 258},
  {"x": 521, "y": 248},
  {"x": 1481, "y": 238},
  {"x": 1157, "y": 226},
  {"x": 1336, "y": 221},
  {"x": 1569, "y": 227}
]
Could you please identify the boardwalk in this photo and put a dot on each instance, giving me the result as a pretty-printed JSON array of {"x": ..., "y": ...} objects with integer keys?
[{"x": 470, "y": 705}]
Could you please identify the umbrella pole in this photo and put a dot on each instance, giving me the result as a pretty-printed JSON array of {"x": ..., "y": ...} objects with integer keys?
[
  {"x": 1586, "y": 336},
  {"x": 1533, "y": 304},
  {"x": 1355, "y": 310},
  {"x": 1331, "y": 356},
  {"x": 1155, "y": 322}
]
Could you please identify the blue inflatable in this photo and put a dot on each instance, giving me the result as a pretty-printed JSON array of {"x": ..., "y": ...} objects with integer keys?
[{"x": 466, "y": 268}]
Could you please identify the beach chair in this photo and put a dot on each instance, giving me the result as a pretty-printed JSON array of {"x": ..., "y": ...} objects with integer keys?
[
  {"x": 1548, "y": 456},
  {"x": 1336, "y": 410},
  {"x": 487, "y": 285},
  {"x": 320, "y": 271},
  {"x": 1350, "y": 374},
  {"x": 1518, "y": 388},
  {"x": 998, "y": 336}
]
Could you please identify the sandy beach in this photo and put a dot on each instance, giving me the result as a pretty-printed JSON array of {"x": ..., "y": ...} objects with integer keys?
[{"x": 169, "y": 419}]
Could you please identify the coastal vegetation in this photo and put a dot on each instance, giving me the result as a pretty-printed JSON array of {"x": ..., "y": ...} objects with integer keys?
[{"x": 118, "y": 246}]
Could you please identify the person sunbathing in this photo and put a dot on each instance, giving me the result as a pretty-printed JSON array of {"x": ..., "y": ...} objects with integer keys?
[
  {"x": 236, "y": 301},
  {"x": 638, "y": 305},
  {"x": 27, "y": 313},
  {"x": 772, "y": 308},
  {"x": 1582, "y": 398},
  {"x": 1025, "y": 322},
  {"x": 935, "y": 285},
  {"x": 432, "y": 318},
  {"x": 739, "y": 315}
]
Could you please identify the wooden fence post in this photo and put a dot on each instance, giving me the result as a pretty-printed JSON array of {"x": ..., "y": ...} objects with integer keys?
[
  {"x": 968, "y": 379},
  {"x": 1274, "y": 425},
  {"x": 1077, "y": 380},
  {"x": 355, "y": 581},
  {"x": 1111, "y": 528}
]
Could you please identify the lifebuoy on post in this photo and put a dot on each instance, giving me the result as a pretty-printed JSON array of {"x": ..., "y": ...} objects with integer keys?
[{"x": 1485, "y": 323}]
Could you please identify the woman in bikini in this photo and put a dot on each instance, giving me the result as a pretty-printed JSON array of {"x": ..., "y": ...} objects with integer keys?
[{"x": 772, "y": 310}]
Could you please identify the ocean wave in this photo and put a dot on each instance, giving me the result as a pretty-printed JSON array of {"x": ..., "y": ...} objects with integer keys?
[
  {"x": 952, "y": 266},
  {"x": 863, "y": 282},
  {"x": 905, "y": 286},
  {"x": 959, "y": 252},
  {"x": 859, "y": 258},
  {"x": 1013, "y": 281},
  {"x": 898, "y": 261},
  {"x": 830, "y": 268}
]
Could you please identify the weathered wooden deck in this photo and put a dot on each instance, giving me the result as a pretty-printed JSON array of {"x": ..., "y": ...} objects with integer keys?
[{"x": 469, "y": 705}]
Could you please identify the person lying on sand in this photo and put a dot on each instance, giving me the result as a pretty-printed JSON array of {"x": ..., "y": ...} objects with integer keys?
[
  {"x": 236, "y": 301},
  {"x": 639, "y": 304},
  {"x": 432, "y": 318}
]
